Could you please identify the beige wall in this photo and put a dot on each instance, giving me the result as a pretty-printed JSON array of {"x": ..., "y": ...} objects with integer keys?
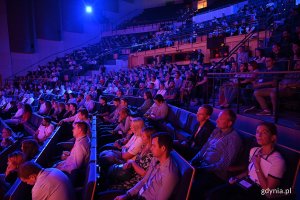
[{"x": 139, "y": 58}]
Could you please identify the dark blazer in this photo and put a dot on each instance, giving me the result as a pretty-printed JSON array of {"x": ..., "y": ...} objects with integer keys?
[{"x": 202, "y": 136}]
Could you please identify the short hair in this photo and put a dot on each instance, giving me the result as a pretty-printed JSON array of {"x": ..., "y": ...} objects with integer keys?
[
  {"x": 74, "y": 104},
  {"x": 41, "y": 99},
  {"x": 231, "y": 114},
  {"x": 29, "y": 168},
  {"x": 47, "y": 119},
  {"x": 139, "y": 121},
  {"x": 30, "y": 148},
  {"x": 270, "y": 126},
  {"x": 148, "y": 95},
  {"x": 83, "y": 126},
  {"x": 149, "y": 131},
  {"x": 254, "y": 64},
  {"x": 17, "y": 158},
  {"x": 125, "y": 100},
  {"x": 84, "y": 112},
  {"x": 116, "y": 99},
  {"x": 209, "y": 109},
  {"x": 103, "y": 98},
  {"x": 9, "y": 130},
  {"x": 164, "y": 139},
  {"x": 159, "y": 98}
]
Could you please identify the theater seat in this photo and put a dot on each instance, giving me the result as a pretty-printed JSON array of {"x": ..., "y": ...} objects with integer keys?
[{"x": 186, "y": 172}]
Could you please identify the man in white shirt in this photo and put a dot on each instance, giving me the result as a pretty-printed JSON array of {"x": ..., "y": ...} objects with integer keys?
[
  {"x": 43, "y": 108},
  {"x": 44, "y": 130},
  {"x": 78, "y": 157},
  {"x": 89, "y": 103},
  {"x": 50, "y": 184}
]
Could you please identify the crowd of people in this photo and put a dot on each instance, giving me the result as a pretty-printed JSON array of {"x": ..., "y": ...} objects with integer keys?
[{"x": 134, "y": 152}]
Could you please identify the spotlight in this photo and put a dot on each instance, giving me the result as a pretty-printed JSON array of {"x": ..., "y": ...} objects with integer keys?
[{"x": 88, "y": 9}]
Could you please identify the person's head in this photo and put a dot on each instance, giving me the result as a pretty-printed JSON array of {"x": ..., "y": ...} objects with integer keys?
[
  {"x": 151, "y": 86},
  {"x": 259, "y": 52},
  {"x": 88, "y": 97},
  {"x": 162, "y": 144},
  {"x": 116, "y": 102},
  {"x": 226, "y": 119},
  {"x": 159, "y": 99},
  {"x": 266, "y": 134},
  {"x": 204, "y": 112},
  {"x": 80, "y": 129},
  {"x": 137, "y": 125},
  {"x": 28, "y": 108},
  {"x": 103, "y": 100},
  {"x": 46, "y": 121},
  {"x": 161, "y": 86},
  {"x": 83, "y": 114},
  {"x": 146, "y": 134},
  {"x": 119, "y": 93},
  {"x": 124, "y": 112},
  {"x": 6, "y": 132},
  {"x": 243, "y": 67},
  {"x": 241, "y": 49},
  {"x": 20, "y": 105},
  {"x": 142, "y": 85},
  {"x": 276, "y": 48},
  {"x": 172, "y": 84},
  {"x": 269, "y": 61},
  {"x": 66, "y": 96},
  {"x": 73, "y": 107},
  {"x": 15, "y": 159},
  {"x": 124, "y": 102},
  {"x": 61, "y": 106},
  {"x": 252, "y": 66},
  {"x": 30, "y": 148},
  {"x": 41, "y": 100},
  {"x": 177, "y": 75},
  {"x": 147, "y": 95},
  {"x": 28, "y": 172}
]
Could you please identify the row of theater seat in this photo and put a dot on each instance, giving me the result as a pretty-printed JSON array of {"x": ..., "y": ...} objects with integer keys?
[
  {"x": 21, "y": 191},
  {"x": 182, "y": 124}
]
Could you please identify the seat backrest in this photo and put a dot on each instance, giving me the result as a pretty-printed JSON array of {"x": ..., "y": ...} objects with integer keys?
[
  {"x": 90, "y": 182},
  {"x": 182, "y": 118},
  {"x": 172, "y": 114},
  {"x": 186, "y": 172},
  {"x": 192, "y": 124},
  {"x": 292, "y": 159}
]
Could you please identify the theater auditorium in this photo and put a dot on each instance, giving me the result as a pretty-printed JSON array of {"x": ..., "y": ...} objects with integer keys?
[{"x": 149, "y": 99}]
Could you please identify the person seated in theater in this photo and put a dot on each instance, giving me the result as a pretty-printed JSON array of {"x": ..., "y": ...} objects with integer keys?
[
  {"x": 162, "y": 174},
  {"x": 45, "y": 130},
  {"x": 217, "y": 154},
  {"x": 147, "y": 103},
  {"x": 265, "y": 86},
  {"x": 30, "y": 148},
  {"x": 43, "y": 108},
  {"x": 8, "y": 110},
  {"x": 265, "y": 170},
  {"x": 72, "y": 98},
  {"x": 103, "y": 108},
  {"x": 191, "y": 146},
  {"x": 71, "y": 110},
  {"x": 82, "y": 115},
  {"x": 49, "y": 183},
  {"x": 25, "y": 111},
  {"x": 278, "y": 54},
  {"x": 159, "y": 110},
  {"x": 141, "y": 90},
  {"x": 128, "y": 150},
  {"x": 78, "y": 157},
  {"x": 113, "y": 117},
  {"x": 152, "y": 89},
  {"x": 162, "y": 90},
  {"x": 89, "y": 103},
  {"x": 6, "y": 138},
  {"x": 8, "y": 178},
  {"x": 140, "y": 164}
]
